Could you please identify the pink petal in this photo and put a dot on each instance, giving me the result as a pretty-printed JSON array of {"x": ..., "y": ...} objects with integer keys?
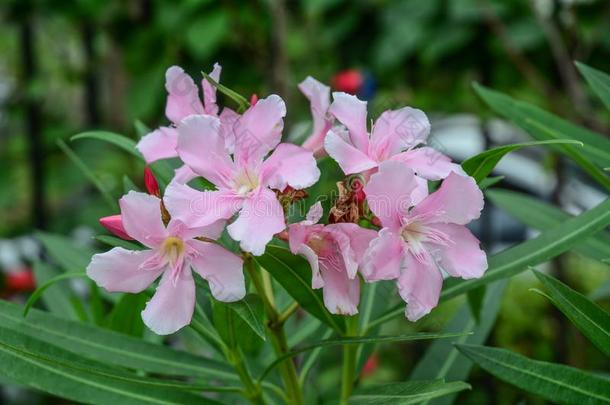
[
  {"x": 299, "y": 233},
  {"x": 159, "y": 144},
  {"x": 172, "y": 306},
  {"x": 315, "y": 213},
  {"x": 209, "y": 91},
  {"x": 290, "y": 165},
  {"x": 202, "y": 148},
  {"x": 141, "y": 215},
  {"x": 318, "y": 95},
  {"x": 228, "y": 118},
  {"x": 261, "y": 217},
  {"x": 421, "y": 191},
  {"x": 200, "y": 208},
  {"x": 396, "y": 130},
  {"x": 389, "y": 193},
  {"x": 350, "y": 159},
  {"x": 429, "y": 163},
  {"x": 184, "y": 174},
  {"x": 118, "y": 270},
  {"x": 183, "y": 96},
  {"x": 222, "y": 269},
  {"x": 213, "y": 231},
  {"x": 420, "y": 286},
  {"x": 463, "y": 257},
  {"x": 360, "y": 238},
  {"x": 259, "y": 129},
  {"x": 458, "y": 200},
  {"x": 341, "y": 294},
  {"x": 351, "y": 112},
  {"x": 384, "y": 256},
  {"x": 316, "y": 277}
]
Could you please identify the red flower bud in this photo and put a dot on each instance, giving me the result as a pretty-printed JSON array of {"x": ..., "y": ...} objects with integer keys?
[
  {"x": 371, "y": 365},
  {"x": 348, "y": 81},
  {"x": 20, "y": 281},
  {"x": 151, "y": 182},
  {"x": 253, "y": 99},
  {"x": 114, "y": 224},
  {"x": 376, "y": 221}
]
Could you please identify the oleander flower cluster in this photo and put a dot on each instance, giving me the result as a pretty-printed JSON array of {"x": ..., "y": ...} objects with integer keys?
[{"x": 385, "y": 224}]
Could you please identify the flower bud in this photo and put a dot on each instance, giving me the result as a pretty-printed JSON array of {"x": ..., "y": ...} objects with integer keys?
[
  {"x": 114, "y": 224},
  {"x": 253, "y": 99},
  {"x": 151, "y": 182}
]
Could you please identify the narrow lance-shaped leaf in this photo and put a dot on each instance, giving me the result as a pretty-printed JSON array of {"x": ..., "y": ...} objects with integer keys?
[
  {"x": 110, "y": 347},
  {"x": 128, "y": 145},
  {"x": 64, "y": 251},
  {"x": 40, "y": 365},
  {"x": 555, "y": 382},
  {"x": 542, "y": 126},
  {"x": 250, "y": 310},
  {"x": 294, "y": 274},
  {"x": 587, "y": 316},
  {"x": 598, "y": 81},
  {"x": 442, "y": 360},
  {"x": 35, "y": 296},
  {"x": 542, "y": 216},
  {"x": 57, "y": 299},
  {"x": 405, "y": 393},
  {"x": 516, "y": 259},
  {"x": 480, "y": 166}
]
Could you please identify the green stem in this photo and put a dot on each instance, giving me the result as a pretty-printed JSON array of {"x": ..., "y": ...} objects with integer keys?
[
  {"x": 253, "y": 390},
  {"x": 276, "y": 331},
  {"x": 287, "y": 313},
  {"x": 349, "y": 360}
]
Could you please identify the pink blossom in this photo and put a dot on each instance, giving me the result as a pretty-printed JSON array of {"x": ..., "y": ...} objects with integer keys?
[
  {"x": 182, "y": 101},
  {"x": 171, "y": 252},
  {"x": 334, "y": 252},
  {"x": 318, "y": 95},
  {"x": 245, "y": 180},
  {"x": 394, "y": 136},
  {"x": 416, "y": 243}
]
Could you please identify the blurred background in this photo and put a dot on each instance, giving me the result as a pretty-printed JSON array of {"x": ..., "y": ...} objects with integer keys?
[{"x": 71, "y": 66}]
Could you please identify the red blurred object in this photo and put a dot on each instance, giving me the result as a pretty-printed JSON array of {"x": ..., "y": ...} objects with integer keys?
[
  {"x": 349, "y": 81},
  {"x": 114, "y": 224},
  {"x": 371, "y": 365},
  {"x": 150, "y": 181},
  {"x": 19, "y": 281},
  {"x": 253, "y": 99},
  {"x": 358, "y": 188}
]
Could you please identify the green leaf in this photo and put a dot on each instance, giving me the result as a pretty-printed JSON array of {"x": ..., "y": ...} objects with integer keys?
[
  {"x": 128, "y": 145},
  {"x": 516, "y": 259},
  {"x": 598, "y": 81},
  {"x": 126, "y": 315},
  {"x": 294, "y": 274},
  {"x": 43, "y": 287},
  {"x": 475, "y": 301},
  {"x": 543, "y": 126},
  {"x": 490, "y": 181},
  {"x": 480, "y": 166},
  {"x": 542, "y": 216},
  {"x": 555, "y": 382},
  {"x": 82, "y": 166},
  {"x": 129, "y": 185},
  {"x": 588, "y": 317},
  {"x": 141, "y": 128},
  {"x": 602, "y": 292},
  {"x": 118, "y": 242},
  {"x": 357, "y": 340},
  {"x": 405, "y": 393},
  {"x": 45, "y": 367},
  {"x": 442, "y": 360},
  {"x": 56, "y": 299},
  {"x": 250, "y": 310},
  {"x": 65, "y": 252},
  {"x": 110, "y": 347}
]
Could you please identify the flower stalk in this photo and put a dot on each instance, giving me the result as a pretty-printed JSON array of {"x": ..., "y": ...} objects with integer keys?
[{"x": 349, "y": 360}]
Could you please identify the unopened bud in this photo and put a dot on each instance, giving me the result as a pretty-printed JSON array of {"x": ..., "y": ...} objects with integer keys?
[
  {"x": 114, "y": 224},
  {"x": 253, "y": 99},
  {"x": 152, "y": 186}
]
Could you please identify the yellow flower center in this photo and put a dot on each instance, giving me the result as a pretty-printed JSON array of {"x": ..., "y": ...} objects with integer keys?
[
  {"x": 245, "y": 182},
  {"x": 172, "y": 249}
]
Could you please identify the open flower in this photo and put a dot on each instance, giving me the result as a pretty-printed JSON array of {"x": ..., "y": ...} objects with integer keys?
[
  {"x": 171, "y": 252},
  {"x": 183, "y": 101},
  {"x": 334, "y": 252},
  {"x": 394, "y": 136},
  {"x": 318, "y": 95},
  {"x": 245, "y": 180},
  {"x": 416, "y": 243}
]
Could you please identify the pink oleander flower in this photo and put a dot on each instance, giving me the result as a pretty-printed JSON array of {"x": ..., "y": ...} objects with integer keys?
[
  {"x": 394, "y": 136},
  {"x": 172, "y": 251},
  {"x": 114, "y": 224},
  {"x": 334, "y": 252},
  {"x": 417, "y": 242},
  {"x": 245, "y": 180},
  {"x": 183, "y": 101},
  {"x": 318, "y": 95}
]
